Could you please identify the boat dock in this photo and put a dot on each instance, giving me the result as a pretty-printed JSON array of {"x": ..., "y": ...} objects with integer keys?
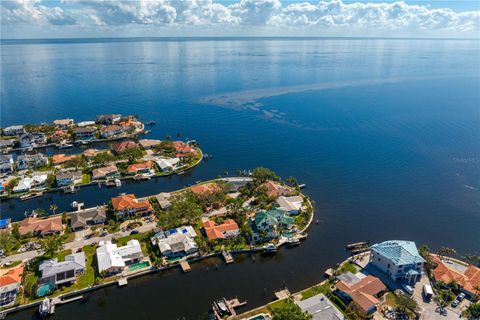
[
  {"x": 358, "y": 247},
  {"x": 282, "y": 294},
  {"x": 227, "y": 256},
  {"x": 185, "y": 266},
  {"x": 122, "y": 282}
]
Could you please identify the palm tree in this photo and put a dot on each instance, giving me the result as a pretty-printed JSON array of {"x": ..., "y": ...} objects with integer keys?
[{"x": 53, "y": 208}]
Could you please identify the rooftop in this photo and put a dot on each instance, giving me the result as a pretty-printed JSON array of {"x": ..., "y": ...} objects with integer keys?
[
  {"x": 320, "y": 308},
  {"x": 220, "y": 231},
  {"x": 399, "y": 252}
]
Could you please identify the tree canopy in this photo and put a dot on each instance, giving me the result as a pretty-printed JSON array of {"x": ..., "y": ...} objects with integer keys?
[
  {"x": 289, "y": 311},
  {"x": 262, "y": 174},
  {"x": 51, "y": 245}
]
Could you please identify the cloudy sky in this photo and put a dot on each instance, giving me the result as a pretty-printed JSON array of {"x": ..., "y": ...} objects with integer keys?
[{"x": 147, "y": 18}]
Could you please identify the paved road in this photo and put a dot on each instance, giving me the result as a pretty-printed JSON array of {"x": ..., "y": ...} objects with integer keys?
[{"x": 78, "y": 243}]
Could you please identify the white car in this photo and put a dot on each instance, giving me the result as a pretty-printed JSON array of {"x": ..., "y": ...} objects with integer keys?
[{"x": 408, "y": 289}]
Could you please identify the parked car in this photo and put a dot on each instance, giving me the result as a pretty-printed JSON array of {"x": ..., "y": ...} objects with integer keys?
[
  {"x": 455, "y": 303},
  {"x": 461, "y": 296},
  {"x": 1, "y": 253},
  {"x": 134, "y": 232},
  {"x": 408, "y": 289}
]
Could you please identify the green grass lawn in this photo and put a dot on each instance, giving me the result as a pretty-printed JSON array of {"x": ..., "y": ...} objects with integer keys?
[
  {"x": 313, "y": 291},
  {"x": 88, "y": 277},
  {"x": 61, "y": 255},
  {"x": 86, "y": 178},
  {"x": 348, "y": 267},
  {"x": 13, "y": 265}
]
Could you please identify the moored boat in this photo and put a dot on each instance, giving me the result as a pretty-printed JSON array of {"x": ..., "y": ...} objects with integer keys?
[
  {"x": 31, "y": 195},
  {"x": 270, "y": 248},
  {"x": 118, "y": 183}
]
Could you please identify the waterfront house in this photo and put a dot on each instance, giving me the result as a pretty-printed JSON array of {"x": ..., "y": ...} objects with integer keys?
[
  {"x": 167, "y": 164},
  {"x": 292, "y": 205},
  {"x": 40, "y": 227},
  {"x": 270, "y": 224},
  {"x": 466, "y": 276},
  {"x": 29, "y": 161},
  {"x": 237, "y": 182},
  {"x": 68, "y": 177},
  {"x": 110, "y": 131},
  {"x": 320, "y": 308},
  {"x": 163, "y": 200},
  {"x": 364, "y": 291},
  {"x": 13, "y": 130},
  {"x": 28, "y": 140},
  {"x": 59, "y": 136},
  {"x": 183, "y": 149},
  {"x": 129, "y": 205},
  {"x": 6, "y": 163},
  {"x": 61, "y": 158},
  {"x": 274, "y": 189},
  {"x": 140, "y": 168},
  {"x": 176, "y": 242},
  {"x": 120, "y": 147},
  {"x": 7, "y": 143},
  {"x": 63, "y": 123},
  {"x": 399, "y": 259},
  {"x": 149, "y": 143},
  {"x": 112, "y": 259},
  {"x": 128, "y": 124},
  {"x": 58, "y": 273},
  {"x": 86, "y": 124},
  {"x": 108, "y": 119},
  {"x": 84, "y": 133},
  {"x": 104, "y": 173},
  {"x": 26, "y": 183},
  {"x": 81, "y": 219},
  {"x": 226, "y": 230},
  {"x": 90, "y": 153},
  {"x": 10, "y": 282},
  {"x": 209, "y": 187}
]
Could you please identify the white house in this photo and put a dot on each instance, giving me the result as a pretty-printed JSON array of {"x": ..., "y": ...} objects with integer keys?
[
  {"x": 176, "y": 242},
  {"x": 112, "y": 259},
  {"x": 399, "y": 259},
  {"x": 13, "y": 130},
  {"x": 29, "y": 161},
  {"x": 57, "y": 273},
  {"x": 28, "y": 140},
  {"x": 291, "y": 205},
  {"x": 167, "y": 164},
  {"x": 68, "y": 178},
  {"x": 26, "y": 183},
  {"x": 6, "y": 163}
]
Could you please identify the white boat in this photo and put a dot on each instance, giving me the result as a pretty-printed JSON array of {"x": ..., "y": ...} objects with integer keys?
[
  {"x": 293, "y": 241},
  {"x": 270, "y": 248},
  {"x": 118, "y": 183},
  {"x": 64, "y": 145},
  {"x": 74, "y": 204},
  {"x": 45, "y": 307}
]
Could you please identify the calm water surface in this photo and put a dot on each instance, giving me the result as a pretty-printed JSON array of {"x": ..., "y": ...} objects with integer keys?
[{"x": 385, "y": 133}]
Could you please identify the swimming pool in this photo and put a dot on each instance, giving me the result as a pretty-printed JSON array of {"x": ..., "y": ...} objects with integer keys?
[
  {"x": 45, "y": 289},
  {"x": 139, "y": 265}
]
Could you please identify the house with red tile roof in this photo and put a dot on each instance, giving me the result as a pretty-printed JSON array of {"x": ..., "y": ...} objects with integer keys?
[
  {"x": 204, "y": 188},
  {"x": 129, "y": 204},
  {"x": 59, "y": 135},
  {"x": 467, "y": 277},
  {"x": 362, "y": 290},
  {"x": 228, "y": 229},
  {"x": 120, "y": 147},
  {"x": 183, "y": 149},
  {"x": 110, "y": 131},
  {"x": 138, "y": 168},
  {"x": 62, "y": 158},
  {"x": 10, "y": 282},
  {"x": 41, "y": 227},
  {"x": 275, "y": 189}
]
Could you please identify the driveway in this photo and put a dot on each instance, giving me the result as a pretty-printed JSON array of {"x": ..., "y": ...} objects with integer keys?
[{"x": 428, "y": 308}]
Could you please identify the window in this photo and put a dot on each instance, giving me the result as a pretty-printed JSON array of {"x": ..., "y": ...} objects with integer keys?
[{"x": 388, "y": 267}]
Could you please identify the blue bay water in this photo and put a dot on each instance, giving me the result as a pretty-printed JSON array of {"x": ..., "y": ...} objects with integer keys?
[{"x": 385, "y": 133}]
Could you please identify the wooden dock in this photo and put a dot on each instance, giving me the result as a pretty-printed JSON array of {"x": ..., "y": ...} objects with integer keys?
[
  {"x": 227, "y": 256},
  {"x": 122, "y": 282},
  {"x": 282, "y": 294},
  {"x": 185, "y": 266}
]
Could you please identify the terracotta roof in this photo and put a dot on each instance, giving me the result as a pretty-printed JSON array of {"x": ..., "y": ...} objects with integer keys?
[
  {"x": 468, "y": 279},
  {"x": 93, "y": 152},
  {"x": 112, "y": 127},
  {"x": 124, "y": 145},
  {"x": 181, "y": 147},
  {"x": 42, "y": 226},
  {"x": 59, "y": 133},
  {"x": 129, "y": 201},
  {"x": 275, "y": 189},
  {"x": 363, "y": 292},
  {"x": 12, "y": 276},
  {"x": 133, "y": 168},
  {"x": 215, "y": 231},
  {"x": 61, "y": 158},
  {"x": 103, "y": 171},
  {"x": 202, "y": 188}
]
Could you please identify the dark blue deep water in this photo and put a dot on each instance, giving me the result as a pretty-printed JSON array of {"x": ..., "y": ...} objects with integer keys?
[{"x": 385, "y": 133}]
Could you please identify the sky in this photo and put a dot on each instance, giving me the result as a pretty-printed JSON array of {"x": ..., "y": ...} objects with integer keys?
[{"x": 30, "y": 19}]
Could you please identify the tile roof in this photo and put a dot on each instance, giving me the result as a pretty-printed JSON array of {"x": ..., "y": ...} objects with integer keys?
[
  {"x": 12, "y": 276},
  {"x": 469, "y": 279},
  {"x": 363, "y": 291},
  {"x": 124, "y": 145},
  {"x": 103, "y": 171},
  {"x": 42, "y": 226},
  {"x": 275, "y": 189},
  {"x": 133, "y": 168},
  {"x": 81, "y": 218},
  {"x": 398, "y": 251},
  {"x": 215, "y": 231},
  {"x": 61, "y": 158},
  {"x": 206, "y": 187},
  {"x": 129, "y": 201},
  {"x": 148, "y": 143}
]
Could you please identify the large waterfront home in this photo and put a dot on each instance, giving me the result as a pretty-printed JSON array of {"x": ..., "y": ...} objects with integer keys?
[
  {"x": 466, "y": 276},
  {"x": 149, "y": 143},
  {"x": 37, "y": 180},
  {"x": 274, "y": 189},
  {"x": 163, "y": 200},
  {"x": 6, "y": 163},
  {"x": 110, "y": 131},
  {"x": 183, "y": 149},
  {"x": 291, "y": 205},
  {"x": 112, "y": 259},
  {"x": 176, "y": 242},
  {"x": 226, "y": 230},
  {"x": 28, "y": 140},
  {"x": 13, "y": 130},
  {"x": 108, "y": 118},
  {"x": 63, "y": 123},
  {"x": 29, "y": 161},
  {"x": 57, "y": 273},
  {"x": 128, "y": 204},
  {"x": 363, "y": 290},
  {"x": 320, "y": 308},
  {"x": 270, "y": 224},
  {"x": 140, "y": 168},
  {"x": 120, "y": 147},
  {"x": 10, "y": 282},
  {"x": 68, "y": 177},
  {"x": 84, "y": 133},
  {"x": 167, "y": 164},
  {"x": 399, "y": 259},
  {"x": 40, "y": 227},
  {"x": 83, "y": 218},
  {"x": 108, "y": 172},
  {"x": 61, "y": 158}
]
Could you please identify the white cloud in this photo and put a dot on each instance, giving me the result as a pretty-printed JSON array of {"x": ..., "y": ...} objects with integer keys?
[{"x": 374, "y": 18}]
